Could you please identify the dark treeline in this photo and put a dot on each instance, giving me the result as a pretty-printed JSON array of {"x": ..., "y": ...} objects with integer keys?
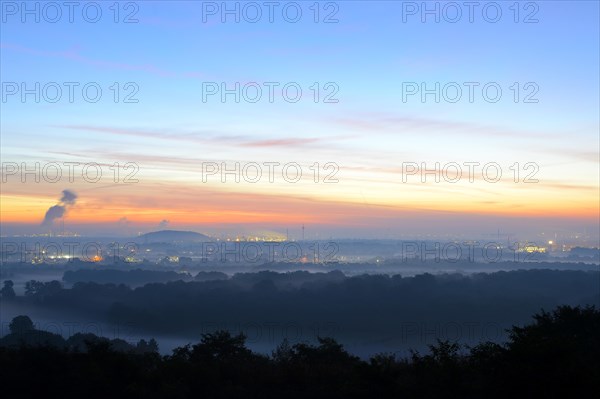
[
  {"x": 135, "y": 277},
  {"x": 24, "y": 333},
  {"x": 392, "y": 310},
  {"x": 555, "y": 356},
  {"x": 362, "y": 307},
  {"x": 117, "y": 270}
]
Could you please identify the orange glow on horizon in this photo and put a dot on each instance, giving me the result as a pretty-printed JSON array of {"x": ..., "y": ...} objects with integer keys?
[{"x": 25, "y": 209}]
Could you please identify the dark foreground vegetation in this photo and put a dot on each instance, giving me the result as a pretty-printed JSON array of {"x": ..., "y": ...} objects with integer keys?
[
  {"x": 368, "y": 313},
  {"x": 555, "y": 356}
]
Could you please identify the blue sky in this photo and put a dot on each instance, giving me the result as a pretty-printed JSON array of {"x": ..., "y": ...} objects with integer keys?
[{"x": 368, "y": 54}]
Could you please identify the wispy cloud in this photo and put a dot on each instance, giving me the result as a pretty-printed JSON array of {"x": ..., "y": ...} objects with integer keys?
[
  {"x": 281, "y": 142},
  {"x": 389, "y": 123},
  {"x": 199, "y": 137}
]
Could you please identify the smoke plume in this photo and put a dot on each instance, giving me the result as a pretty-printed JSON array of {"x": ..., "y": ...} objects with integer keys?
[{"x": 59, "y": 210}]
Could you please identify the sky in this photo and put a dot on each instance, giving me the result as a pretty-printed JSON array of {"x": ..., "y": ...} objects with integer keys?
[{"x": 376, "y": 93}]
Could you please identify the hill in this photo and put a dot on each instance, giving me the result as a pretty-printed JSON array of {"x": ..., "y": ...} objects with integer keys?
[{"x": 171, "y": 236}]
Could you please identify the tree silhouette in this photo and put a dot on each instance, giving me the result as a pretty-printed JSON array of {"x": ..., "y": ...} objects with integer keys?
[
  {"x": 21, "y": 324},
  {"x": 562, "y": 347},
  {"x": 7, "y": 290},
  {"x": 555, "y": 356},
  {"x": 220, "y": 345},
  {"x": 147, "y": 347},
  {"x": 283, "y": 353},
  {"x": 32, "y": 287}
]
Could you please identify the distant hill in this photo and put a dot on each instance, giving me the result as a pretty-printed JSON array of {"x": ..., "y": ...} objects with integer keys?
[{"x": 169, "y": 236}]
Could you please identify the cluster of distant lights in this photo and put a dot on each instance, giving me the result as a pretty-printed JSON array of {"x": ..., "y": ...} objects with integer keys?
[
  {"x": 527, "y": 248},
  {"x": 253, "y": 239},
  {"x": 37, "y": 259}
]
